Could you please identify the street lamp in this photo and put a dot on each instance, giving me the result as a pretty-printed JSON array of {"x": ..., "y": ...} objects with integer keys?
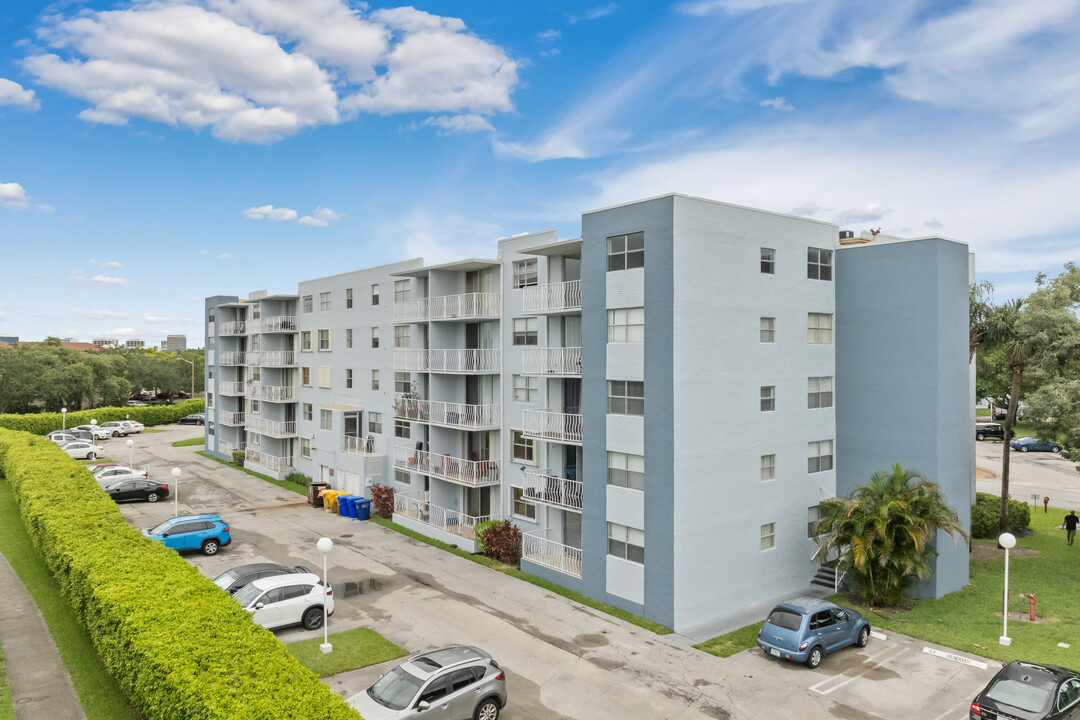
[
  {"x": 131, "y": 463},
  {"x": 192, "y": 375},
  {"x": 1006, "y": 540},
  {"x": 63, "y": 414},
  {"x": 325, "y": 545},
  {"x": 176, "y": 492}
]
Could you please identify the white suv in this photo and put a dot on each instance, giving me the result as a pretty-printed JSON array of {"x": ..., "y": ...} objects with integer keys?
[
  {"x": 294, "y": 599},
  {"x": 115, "y": 428}
]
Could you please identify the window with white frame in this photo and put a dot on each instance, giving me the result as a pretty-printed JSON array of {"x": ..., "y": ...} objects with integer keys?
[
  {"x": 210, "y": 399},
  {"x": 626, "y": 325},
  {"x": 305, "y": 341},
  {"x": 305, "y": 376},
  {"x": 210, "y": 317},
  {"x": 326, "y": 420},
  {"x": 626, "y": 251},
  {"x": 374, "y": 379},
  {"x": 375, "y": 294},
  {"x": 256, "y": 311},
  {"x": 626, "y": 397},
  {"x": 324, "y": 340},
  {"x": 626, "y": 542},
  {"x": 253, "y": 439},
  {"x": 324, "y": 301},
  {"x": 253, "y": 407},
  {"x": 348, "y": 298},
  {"x": 307, "y": 411},
  {"x": 523, "y": 449},
  {"x": 348, "y": 378},
  {"x": 768, "y": 467},
  {"x": 211, "y": 341},
  {"x": 768, "y": 398},
  {"x": 819, "y": 328},
  {"x": 768, "y": 329},
  {"x": 402, "y": 428},
  {"x": 402, "y": 382},
  {"x": 818, "y": 264},
  {"x": 256, "y": 373},
  {"x": 401, "y": 336},
  {"x": 520, "y": 506},
  {"x": 255, "y": 341},
  {"x": 768, "y": 261},
  {"x": 625, "y": 470},
  {"x": 374, "y": 422},
  {"x": 768, "y": 536},
  {"x": 526, "y": 388},
  {"x": 525, "y": 332},
  {"x": 401, "y": 290},
  {"x": 819, "y": 456},
  {"x": 819, "y": 392},
  {"x": 308, "y": 305},
  {"x": 305, "y": 447},
  {"x": 324, "y": 376},
  {"x": 403, "y": 476},
  {"x": 526, "y": 273},
  {"x": 348, "y": 338}
]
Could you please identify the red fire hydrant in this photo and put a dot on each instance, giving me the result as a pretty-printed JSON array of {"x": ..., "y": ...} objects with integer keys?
[
  {"x": 1031, "y": 607},
  {"x": 1046, "y": 502}
]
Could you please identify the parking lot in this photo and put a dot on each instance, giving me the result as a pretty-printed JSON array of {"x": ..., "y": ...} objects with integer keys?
[{"x": 563, "y": 660}]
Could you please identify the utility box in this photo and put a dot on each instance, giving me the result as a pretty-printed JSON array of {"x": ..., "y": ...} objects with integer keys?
[{"x": 313, "y": 490}]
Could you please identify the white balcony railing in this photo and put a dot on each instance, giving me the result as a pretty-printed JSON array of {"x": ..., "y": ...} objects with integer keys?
[
  {"x": 465, "y": 472},
  {"x": 469, "y": 305},
  {"x": 226, "y": 387},
  {"x": 270, "y": 462},
  {"x": 277, "y": 393},
  {"x": 551, "y": 361},
  {"x": 252, "y": 389},
  {"x": 277, "y": 358},
  {"x": 233, "y": 327},
  {"x": 556, "y": 426},
  {"x": 227, "y": 447},
  {"x": 445, "y": 519},
  {"x": 410, "y": 360},
  {"x": 272, "y": 428},
  {"x": 369, "y": 446},
  {"x": 225, "y": 417},
  {"x": 537, "y": 548},
  {"x": 279, "y": 323},
  {"x": 472, "y": 417},
  {"x": 552, "y": 297},
  {"x": 448, "y": 361},
  {"x": 411, "y": 310},
  {"x": 231, "y": 358},
  {"x": 252, "y": 359},
  {"x": 552, "y": 490}
]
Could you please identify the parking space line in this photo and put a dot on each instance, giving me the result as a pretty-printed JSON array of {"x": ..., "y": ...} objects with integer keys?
[
  {"x": 869, "y": 659},
  {"x": 872, "y": 661}
]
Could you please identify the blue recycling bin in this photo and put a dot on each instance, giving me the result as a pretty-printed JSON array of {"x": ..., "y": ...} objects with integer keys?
[
  {"x": 362, "y": 507},
  {"x": 344, "y": 503}
]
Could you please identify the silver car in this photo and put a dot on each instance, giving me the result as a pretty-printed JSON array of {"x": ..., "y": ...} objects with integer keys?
[{"x": 454, "y": 683}]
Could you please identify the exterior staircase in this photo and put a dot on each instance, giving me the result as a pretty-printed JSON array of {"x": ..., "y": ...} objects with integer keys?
[{"x": 826, "y": 577}]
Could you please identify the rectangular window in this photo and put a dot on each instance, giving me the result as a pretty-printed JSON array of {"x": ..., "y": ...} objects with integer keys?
[
  {"x": 626, "y": 397},
  {"x": 255, "y": 342},
  {"x": 374, "y": 379},
  {"x": 520, "y": 506},
  {"x": 348, "y": 298},
  {"x": 768, "y": 329},
  {"x": 210, "y": 399},
  {"x": 626, "y": 251},
  {"x": 305, "y": 341},
  {"x": 819, "y": 328},
  {"x": 626, "y": 542},
  {"x": 819, "y": 456},
  {"x": 324, "y": 376},
  {"x": 401, "y": 291},
  {"x": 324, "y": 301},
  {"x": 374, "y": 422},
  {"x": 210, "y": 370},
  {"x": 348, "y": 379},
  {"x": 210, "y": 317},
  {"x": 256, "y": 311},
  {"x": 326, "y": 420},
  {"x": 523, "y": 449},
  {"x": 768, "y": 398},
  {"x": 768, "y": 536},
  {"x": 348, "y": 338},
  {"x": 401, "y": 336},
  {"x": 626, "y": 471},
  {"x": 525, "y": 273},
  {"x": 818, "y": 264},
  {"x": 375, "y": 294},
  {"x": 210, "y": 342},
  {"x": 768, "y": 261},
  {"x": 402, "y": 428},
  {"x": 305, "y": 376},
  {"x": 402, "y": 382},
  {"x": 254, "y": 406},
  {"x": 255, "y": 373},
  {"x": 813, "y": 514},
  {"x": 526, "y": 389},
  {"x": 525, "y": 332},
  {"x": 819, "y": 392},
  {"x": 324, "y": 340},
  {"x": 210, "y": 429},
  {"x": 403, "y": 476},
  {"x": 305, "y": 447},
  {"x": 307, "y": 411},
  {"x": 307, "y": 304},
  {"x": 253, "y": 439},
  {"x": 626, "y": 325},
  {"x": 768, "y": 467}
]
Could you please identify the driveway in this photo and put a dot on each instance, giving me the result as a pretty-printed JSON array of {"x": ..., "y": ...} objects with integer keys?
[
  {"x": 1034, "y": 473},
  {"x": 563, "y": 660}
]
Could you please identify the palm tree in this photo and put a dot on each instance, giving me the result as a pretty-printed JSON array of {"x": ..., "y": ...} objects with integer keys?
[{"x": 884, "y": 532}]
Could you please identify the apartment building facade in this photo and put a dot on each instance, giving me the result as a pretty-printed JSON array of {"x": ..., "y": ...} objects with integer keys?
[{"x": 656, "y": 404}]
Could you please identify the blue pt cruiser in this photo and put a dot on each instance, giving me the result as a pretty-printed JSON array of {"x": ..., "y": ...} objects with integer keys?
[{"x": 805, "y": 629}]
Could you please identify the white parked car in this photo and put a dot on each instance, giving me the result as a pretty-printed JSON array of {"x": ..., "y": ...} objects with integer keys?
[
  {"x": 60, "y": 437},
  {"x": 116, "y": 474},
  {"x": 99, "y": 432},
  {"x": 82, "y": 450},
  {"x": 293, "y": 599},
  {"x": 116, "y": 429},
  {"x": 132, "y": 426}
]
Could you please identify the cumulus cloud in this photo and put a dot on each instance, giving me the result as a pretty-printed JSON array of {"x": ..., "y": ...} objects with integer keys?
[
  {"x": 98, "y": 314},
  {"x": 457, "y": 124},
  {"x": 325, "y": 213},
  {"x": 270, "y": 212},
  {"x": 12, "y": 93},
  {"x": 777, "y": 103},
  {"x": 310, "y": 221},
  {"x": 870, "y": 212},
  {"x": 80, "y": 277},
  {"x": 13, "y": 195}
]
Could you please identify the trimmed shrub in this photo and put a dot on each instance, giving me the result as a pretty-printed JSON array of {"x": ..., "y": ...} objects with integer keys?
[
  {"x": 503, "y": 540},
  {"x": 985, "y": 513},
  {"x": 177, "y": 645},
  {"x": 45, "y": 423},
  {"x": 382, "y": 499},
  {"x": 479, "y": 530},
  {"x": 294, "y": 477},
  {"x": 238, "y": 457}
]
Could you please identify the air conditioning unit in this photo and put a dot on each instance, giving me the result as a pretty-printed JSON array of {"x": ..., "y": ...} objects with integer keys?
[{"x": 847, "y": 234}]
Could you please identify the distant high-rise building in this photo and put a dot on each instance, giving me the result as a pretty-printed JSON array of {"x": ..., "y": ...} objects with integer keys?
[
  {"x": 106, "y": 342},
  {"x": 133, "y": 343},
  {"x": 175, "y": 343}
]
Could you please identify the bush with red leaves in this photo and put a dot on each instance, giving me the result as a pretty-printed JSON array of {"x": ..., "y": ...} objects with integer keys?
[
  {"x": 503, "y": 540},
  {"x": 382, "y": 499}
]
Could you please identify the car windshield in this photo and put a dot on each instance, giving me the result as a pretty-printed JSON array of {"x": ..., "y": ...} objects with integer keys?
[
  {"x": 247, "y": 594},
  {"x": 225, "y": 579},
  {"x": 158, "y": 529},
  {"x": 786, "y": 619},
  {"x": 1029, "y": 698},
  {"x": 395, "y": 689}
]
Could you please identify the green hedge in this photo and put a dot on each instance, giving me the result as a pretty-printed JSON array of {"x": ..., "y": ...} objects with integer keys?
[
  {"x": 45, "y": 423},
  {"x": 986, "y": 512},
  {"x": 177, "y": 645}
]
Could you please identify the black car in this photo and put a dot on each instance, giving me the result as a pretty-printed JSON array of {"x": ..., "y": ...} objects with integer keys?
[
  {"x": 232, "y": 580},
  {"x": 989, "y": 430},
  {"x": 196, "y": 419},
  {"x": 137, "y": 489},
  {"x": 1029, "y": 691}
]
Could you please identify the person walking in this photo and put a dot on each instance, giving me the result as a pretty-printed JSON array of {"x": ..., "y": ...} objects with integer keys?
[{"x": 1070, "y": 526}]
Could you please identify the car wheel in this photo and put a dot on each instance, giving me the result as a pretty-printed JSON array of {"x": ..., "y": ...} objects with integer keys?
[
  {"x": 1055, "y": 449},
  {"x": 210, "y": 547},
  {"x": 980, "y": 436},
  {"x": 115, "y": 433},
  {"x": 91, "y": 456},
  {"x": 1023, "y": 448},
  {"x": 814, "y": 658},
  {"x": 152, "y": 497},
  {"x": 487, "y": 710},
  {"x": 313, "y": 618},
  {"x": 864, "y": 637}
]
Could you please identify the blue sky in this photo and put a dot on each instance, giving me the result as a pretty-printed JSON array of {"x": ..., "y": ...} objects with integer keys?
[{"x": 153, "y": 153}]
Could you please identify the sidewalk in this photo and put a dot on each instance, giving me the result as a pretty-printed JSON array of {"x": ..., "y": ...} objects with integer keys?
[{"x": 41, "y": 687}]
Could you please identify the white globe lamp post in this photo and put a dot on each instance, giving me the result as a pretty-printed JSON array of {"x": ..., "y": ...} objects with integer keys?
[
  {"x": 63, "y": 414},
  {"x": 325, "y": 545},
  {"x": 1007, "y": 541},
  {"x": 176, "y": 491},
  {"x": 129, "y": 444}
]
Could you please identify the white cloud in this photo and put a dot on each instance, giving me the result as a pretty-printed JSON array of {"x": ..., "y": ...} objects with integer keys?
[
  {"x": 457, "y": 124},
  {"x": 868, "y": 212},
  {"x": 107, "y": 264},
  {"x": 707, "y": 7},
  {"x": 807, "y": 209},
  {"x": 777, "y": 103},
  {"x": 325, "y": 213},
  {"x": 548, "y": 35},
  {"x": 158, "y": 319},
  {"x": 4, "y": 316},
  {"x": 98, "y": 314},
  {"x": 121, "y": 331},
  {"x": 80, "y": 277},
  {"x": 309, "y": 221},
  {"x": 933, "y": 224},
  {"x": 224, "y": 256},
  {"x": 45, "y": 208},
  {"x": 441, "y": 238},
  {"x": 271, "y": 213},
  {"x": 12, "y": 93},
  {"x": 13, "y": 195},
  {"x": 593, "y": 13}
]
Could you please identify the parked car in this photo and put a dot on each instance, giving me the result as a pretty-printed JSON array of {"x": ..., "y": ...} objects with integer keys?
[
  {"x": 132, "y": 426},
  {"x": 208, "y": 533},
  {"x": 1033, "y": 444},
  {"x": 62, "y": 436},
  {"x": 137, "y": 489},
  {"x": 194, "y": 419},
  {"x": 989, "y": 430},
  {"x": 102, "y": 466},
  {"x": 455, "y": 683},
  {"x": 97, "y": 431},
  {"x": 116, "y": 429},
  {"x": 1029, "y": 691},
  {"x": 293, "y": 599},
  {"x": 81, "y": 450},
  {"x": 136, "y": 403},
  {"x": 233, "y": 580},
  {"x": 805, "y": 629},
  {"x": 117, "y": 473}
]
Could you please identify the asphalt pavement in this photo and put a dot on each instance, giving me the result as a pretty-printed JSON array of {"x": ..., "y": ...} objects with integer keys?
[{"x": 1041, "y": 474}]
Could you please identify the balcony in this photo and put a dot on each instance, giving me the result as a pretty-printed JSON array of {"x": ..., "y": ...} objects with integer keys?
[
  {"x": 225, "y": 387},
  {"x": 230, "y": 418},
  {"x": 474, "y": 473},
  {"x": 252, "y": 390},
  {"x": 279, "y": 324},
  {"x": 448, "y": 361},
  {"x": 408, "y": 311},
  {"x": 561, "y": 297},
  {"x": 252, "y": 359},
  {"x": 277, "y": 358},
  {"x": 465, "y": 307},
  {"x": 552, "y": 490},
  {"x": 228, "y": 447},
  {"x": 234, "y": 327},
  {"x": 457, "y": 415},
  {"x": 272, "y": 428},
  {"x": 231, "y": 358},
  {"x": 369, "y": 446},
  {"x": 277, "y": 393},
  {"x": 537, "y": 548},
  {"x": 450, "y": 521},
  {"x": 557, "y": 361},
  {"x": 554, "y": 426},
  {"x": 270, "y": 462}
]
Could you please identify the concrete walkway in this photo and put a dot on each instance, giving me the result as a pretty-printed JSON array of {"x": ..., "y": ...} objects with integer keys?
[{"x": 41, "y": 687}]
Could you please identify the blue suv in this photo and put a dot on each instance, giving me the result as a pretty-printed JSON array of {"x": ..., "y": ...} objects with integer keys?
[{"x": 208, "y": 533}]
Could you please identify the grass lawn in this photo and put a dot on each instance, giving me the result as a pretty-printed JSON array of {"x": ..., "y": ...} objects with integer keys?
[
  {"x": 538, "y": 581},
  {"x": 302, "y": 489},
  {"x": 101, "y": 697},
  {"x": 352, "y": 649},
  {"x": 153, "y": 430},
  {"x": 7, "y": 709},
  {"x": 982, "y": 412},
  {"x": 730, "y": 643},
  {"x": 188, "y": 443}
]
